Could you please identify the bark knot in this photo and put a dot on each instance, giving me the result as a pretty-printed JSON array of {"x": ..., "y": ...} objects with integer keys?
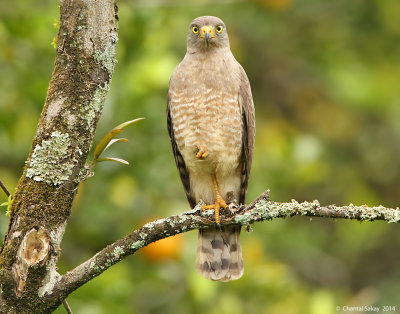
[{"x": 33, "y": 252}]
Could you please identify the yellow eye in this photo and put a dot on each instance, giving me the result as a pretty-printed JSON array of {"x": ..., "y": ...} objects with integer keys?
[
  {"x": 195, "y": 29},
  {"x": 219, "y": 29}
]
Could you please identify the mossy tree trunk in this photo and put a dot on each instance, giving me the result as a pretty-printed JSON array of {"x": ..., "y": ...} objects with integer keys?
[{"x": 86, "y": 45}]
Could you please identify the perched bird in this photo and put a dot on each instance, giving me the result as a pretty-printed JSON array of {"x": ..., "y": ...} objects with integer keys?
[{"x": 211, "y": 124}]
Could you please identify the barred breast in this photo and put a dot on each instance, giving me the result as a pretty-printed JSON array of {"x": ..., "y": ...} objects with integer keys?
[
  {"x": 210, "y": 121},
  {"x": 206, "y": 116}
]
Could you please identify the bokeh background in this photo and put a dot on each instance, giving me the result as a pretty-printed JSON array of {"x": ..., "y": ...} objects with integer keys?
[{"x": 325, "y": 77}]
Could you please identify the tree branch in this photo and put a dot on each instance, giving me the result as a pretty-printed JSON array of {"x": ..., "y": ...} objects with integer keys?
[
  {"x": 259, "y": 210},
  {"x": 3, "y": 187},
  {"x": 67, "y": 307}
]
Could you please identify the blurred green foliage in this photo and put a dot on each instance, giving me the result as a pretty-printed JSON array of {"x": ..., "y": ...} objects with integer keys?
[{"x": 325, "y": 77}]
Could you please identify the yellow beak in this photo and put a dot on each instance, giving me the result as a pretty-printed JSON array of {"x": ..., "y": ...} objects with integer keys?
[{"x": 207, "y": 32}]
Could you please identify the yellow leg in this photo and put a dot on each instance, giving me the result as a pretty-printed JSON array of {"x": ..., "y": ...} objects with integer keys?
[{"x": 219, "y": 202}]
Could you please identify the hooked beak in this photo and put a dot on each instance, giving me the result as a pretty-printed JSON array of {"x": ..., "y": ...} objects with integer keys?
[{"x": 207, "y": 33}]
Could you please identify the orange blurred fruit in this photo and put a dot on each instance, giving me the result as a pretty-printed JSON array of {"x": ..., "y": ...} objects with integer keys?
[{"x": 168, "y": 248}]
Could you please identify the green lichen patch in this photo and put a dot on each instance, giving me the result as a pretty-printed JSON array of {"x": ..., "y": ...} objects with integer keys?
[
  {"x": 107, "y": 56},
  {"x": 182, "y": 219},
  {"x": 118, "y": 251},
  {"x": 143, "y": 235},
  {"x": 243, "y": 219},
  {"x": 93, "y": 266},
  {"x": 151, "y": 226},
  {"x": 137, "y": 245},
  {"x": 108, "y": 264},
  {"x": 50, "y": 161},
  {"x": 393, "y": 216},
  {"x": 93, "y": 108},
  {"x": 378, "y": 212},
  {"x": 306, "y": 208},
  {"x": 265, "y": 210}
]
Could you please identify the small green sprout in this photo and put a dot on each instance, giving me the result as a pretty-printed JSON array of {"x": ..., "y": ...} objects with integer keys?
[
  {"x": 8, "y": 204},
  {"x": 56, "y": 25},
  {"x": 54, "y": 42}
]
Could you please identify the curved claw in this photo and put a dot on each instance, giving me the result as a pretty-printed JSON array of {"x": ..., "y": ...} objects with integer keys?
[{"x": 219, "y": 203}]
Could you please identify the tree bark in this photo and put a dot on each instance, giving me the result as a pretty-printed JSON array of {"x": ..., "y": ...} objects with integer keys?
[{"x": 80, "y": 81}]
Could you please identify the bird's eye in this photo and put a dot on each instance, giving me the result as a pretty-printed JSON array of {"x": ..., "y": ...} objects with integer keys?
[
  {"x": 219, "y": 29},
  {"x": 195, "y": 29}
]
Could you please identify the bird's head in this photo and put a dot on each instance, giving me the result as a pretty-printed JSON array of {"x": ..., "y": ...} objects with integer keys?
[{"x": 207, "y": 32}]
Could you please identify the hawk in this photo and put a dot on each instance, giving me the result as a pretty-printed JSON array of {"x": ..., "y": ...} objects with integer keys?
[{"x": 211, "y": 124}]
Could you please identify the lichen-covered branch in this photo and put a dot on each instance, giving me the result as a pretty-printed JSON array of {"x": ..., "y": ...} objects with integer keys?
[
  {"x": 259, "y": 210},
  {"x": 264, "y": 209},
  {"x": 86, "y": 46}
]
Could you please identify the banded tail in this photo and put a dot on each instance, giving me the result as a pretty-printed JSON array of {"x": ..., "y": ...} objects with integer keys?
[{"x": 219, "y": 253}]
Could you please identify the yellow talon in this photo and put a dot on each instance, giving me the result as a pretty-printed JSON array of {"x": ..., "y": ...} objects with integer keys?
[
  {"x": 201, "y": 153},
  {"x": 219, "y": 203}
]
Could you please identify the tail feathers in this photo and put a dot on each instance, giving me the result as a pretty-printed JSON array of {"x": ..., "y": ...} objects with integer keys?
[{"x": 219, "y": 253}]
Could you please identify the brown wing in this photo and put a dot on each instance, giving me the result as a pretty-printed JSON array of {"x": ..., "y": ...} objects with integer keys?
[
  {"x": 180, "y": 162},
  {"x": 249, "y": 132}
]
